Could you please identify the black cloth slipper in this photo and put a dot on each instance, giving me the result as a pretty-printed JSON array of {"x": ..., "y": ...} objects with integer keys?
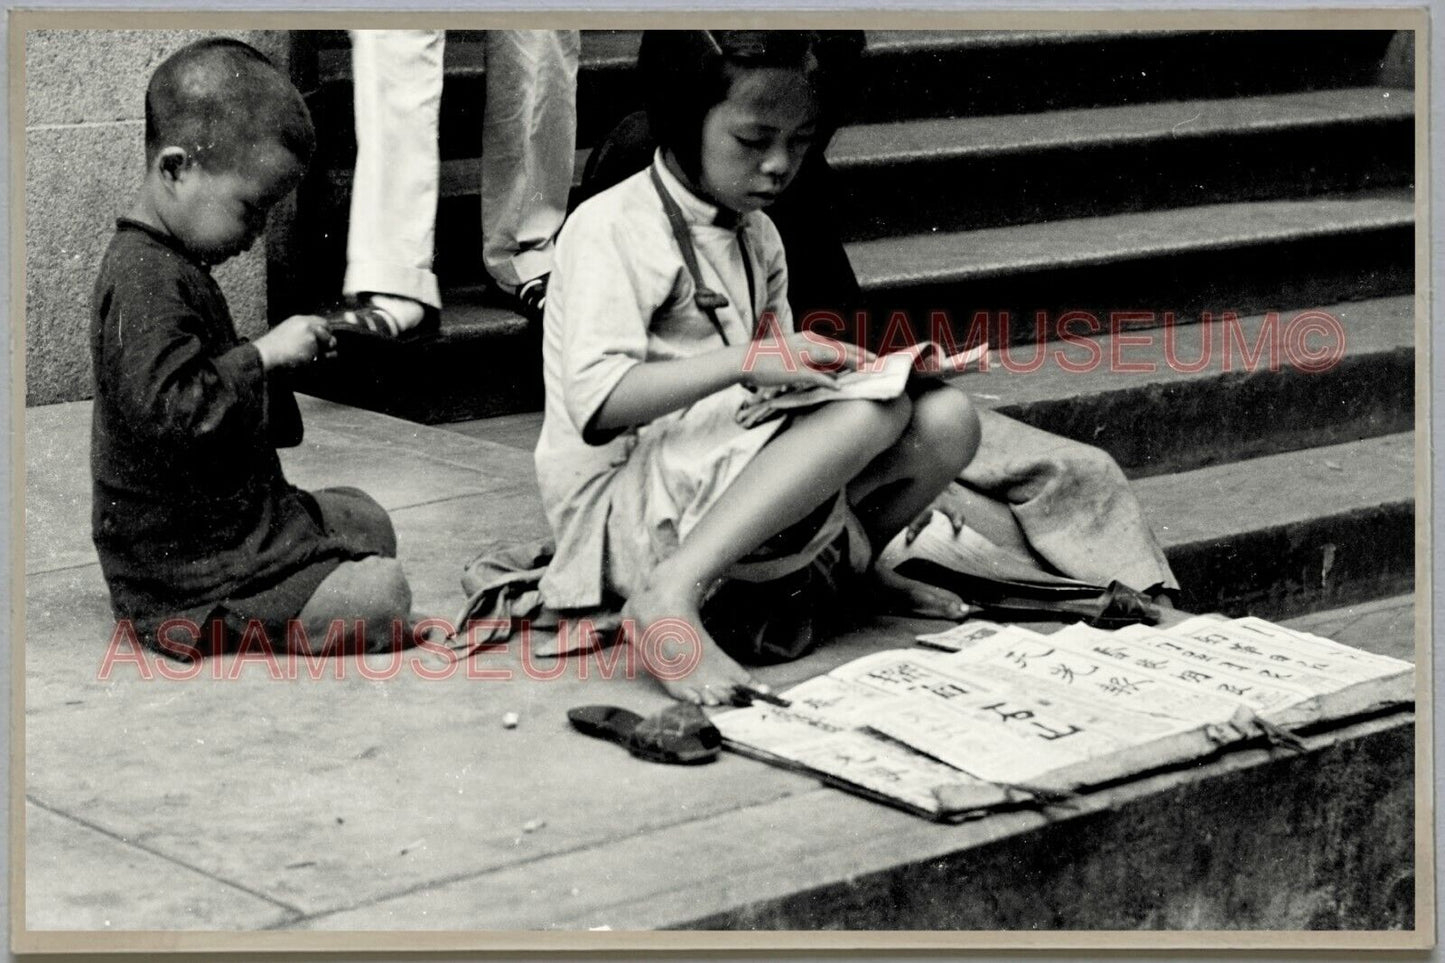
[{"x": 680, "y": 734}]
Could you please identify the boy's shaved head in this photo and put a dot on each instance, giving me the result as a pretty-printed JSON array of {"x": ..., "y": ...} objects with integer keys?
[{"x": 218, "y": 99}]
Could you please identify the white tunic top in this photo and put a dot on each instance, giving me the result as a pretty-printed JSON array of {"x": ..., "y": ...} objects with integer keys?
[{"x": 620, "y": 294}]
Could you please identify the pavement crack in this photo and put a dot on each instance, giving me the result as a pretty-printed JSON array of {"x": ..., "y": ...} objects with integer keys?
[
  {"x": 453, "y": 878},
  {"x": 295, "y": 911},
  {"x": 438, "y": 501},
  {"x": 64, "y": 568},
  {"x": 86, "y": 124}
]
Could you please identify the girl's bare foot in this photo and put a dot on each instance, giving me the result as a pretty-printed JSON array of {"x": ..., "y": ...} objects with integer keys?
[{"x": 667, "y": 631}]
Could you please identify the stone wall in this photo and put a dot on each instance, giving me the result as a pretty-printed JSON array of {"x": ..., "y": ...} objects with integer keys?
[{"x": 84, "y": 158}]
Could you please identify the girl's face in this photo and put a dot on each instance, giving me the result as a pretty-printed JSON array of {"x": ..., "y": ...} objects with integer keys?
[{"x": 754, "y": 142}]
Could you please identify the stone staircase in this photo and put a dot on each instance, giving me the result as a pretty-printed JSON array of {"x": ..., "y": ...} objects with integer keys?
[{"x": 1234, "y": 180}]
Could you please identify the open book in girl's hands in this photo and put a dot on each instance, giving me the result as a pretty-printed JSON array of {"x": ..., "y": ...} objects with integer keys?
[{"x": 881, "y": 380}]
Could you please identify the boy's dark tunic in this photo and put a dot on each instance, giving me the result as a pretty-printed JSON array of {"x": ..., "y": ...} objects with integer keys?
[{"x": 192, "y": 516}]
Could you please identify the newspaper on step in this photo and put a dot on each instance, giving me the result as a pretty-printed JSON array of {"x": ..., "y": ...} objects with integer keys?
[{"x": 986, "y": 716}]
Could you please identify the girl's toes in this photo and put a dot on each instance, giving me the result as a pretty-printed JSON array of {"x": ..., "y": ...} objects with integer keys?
[
  {"x": 682, "y": 693},
  {"x": 937, "y": 602}
]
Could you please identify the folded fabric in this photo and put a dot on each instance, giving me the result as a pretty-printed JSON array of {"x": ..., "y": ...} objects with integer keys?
[{"x": 502, "y": 585}]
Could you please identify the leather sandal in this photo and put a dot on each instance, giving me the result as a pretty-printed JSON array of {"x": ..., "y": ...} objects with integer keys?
[
  {"x": 528, "y": 299},
  {"x": 368, "y": 320}
]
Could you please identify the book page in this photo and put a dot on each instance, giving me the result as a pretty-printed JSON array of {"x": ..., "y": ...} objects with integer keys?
[
  {"x": 818, "y": 732},
  {"x": 968, "y": 634},
  {"x": 882, "y": 381},
  {"x": 1171, "y": 671},
  {"x": 978, "y": 714},
  {"x": 1282, "y": 644},
  {"x": 969, "y": 553}
]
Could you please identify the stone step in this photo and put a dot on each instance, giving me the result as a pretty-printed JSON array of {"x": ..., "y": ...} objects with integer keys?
[
  {"x": 1242, "y": 540},
  {"x": 1245, "y": 256},
  {"x": 485, "y": 360},
  {"x": 1214, "y": 258},
  {"x": 1264, "y": 838},
  {"x": 922, "y": 73},
  {"x": 1138, "y": 398},
  {"x": 1254, "y": 255},
  {"x": 936, "y": 259},
  {"x": 1384, "y": 626},
  {"x": 1241, "y": 255},
  {"x": 862, "y": 149},
  {"x": 1255, "y": 839},
  {"x": 953, "y": 73},
  {"x": 1239, "y": 536},
  {"x": 1145, "y": 855},
  {"x": 1142, "y": 404},
  {"x": 1118, "y": 159},
  {"x": 1106, "y": 160}
]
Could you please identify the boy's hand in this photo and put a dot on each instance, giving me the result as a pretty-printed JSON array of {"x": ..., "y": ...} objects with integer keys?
[
  {"x": 801, "y": 360},
  {"x": 300, "y": 339}
]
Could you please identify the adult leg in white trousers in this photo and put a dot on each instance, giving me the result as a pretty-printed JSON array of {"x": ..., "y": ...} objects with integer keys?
[
  {"x": 529, "y": 136},
  {"x": 397, "y": 78}
]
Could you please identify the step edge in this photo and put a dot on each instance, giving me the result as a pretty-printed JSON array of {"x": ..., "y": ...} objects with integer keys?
[
  {"x": 901, "y": 280},
  {"x": 962, "y": 148}
]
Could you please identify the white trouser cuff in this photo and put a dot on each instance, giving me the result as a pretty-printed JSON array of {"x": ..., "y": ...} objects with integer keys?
[{"x": 407, "y": 282}]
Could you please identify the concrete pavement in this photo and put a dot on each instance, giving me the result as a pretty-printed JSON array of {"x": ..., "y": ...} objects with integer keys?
[{"x": 385, "y": 800}]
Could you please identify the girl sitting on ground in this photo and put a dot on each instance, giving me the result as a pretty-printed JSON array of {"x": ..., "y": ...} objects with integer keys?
[{"x": 654, "y": 491}]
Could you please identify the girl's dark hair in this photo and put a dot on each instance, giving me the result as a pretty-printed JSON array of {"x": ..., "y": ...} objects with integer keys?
[{"x": 685, "y": 73}]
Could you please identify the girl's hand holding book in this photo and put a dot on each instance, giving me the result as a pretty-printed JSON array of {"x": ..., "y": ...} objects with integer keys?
[{"x": 800, "y": 360}]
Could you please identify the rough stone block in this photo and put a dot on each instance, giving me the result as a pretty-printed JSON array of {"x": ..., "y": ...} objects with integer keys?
[
  {"x": 117, "y": 65},
  {"x": 84, "y": 150},
  {"x": 77, "y": 181}
]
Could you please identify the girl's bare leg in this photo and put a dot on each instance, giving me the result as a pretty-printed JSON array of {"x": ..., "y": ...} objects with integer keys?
[
  {"x": 941, "y": 438},
  {"x": 792, "y": 475}
]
